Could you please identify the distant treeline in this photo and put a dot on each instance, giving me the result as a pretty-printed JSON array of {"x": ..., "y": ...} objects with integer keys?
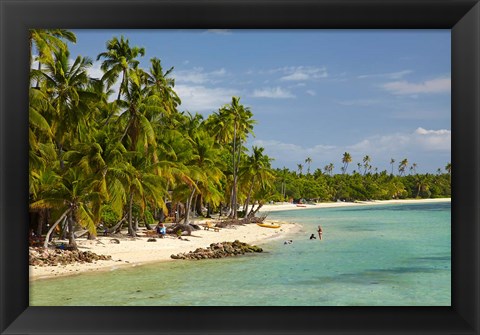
[{"x": 321, "y": 186}]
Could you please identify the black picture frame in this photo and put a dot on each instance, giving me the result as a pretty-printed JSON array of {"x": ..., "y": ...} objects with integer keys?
[{"x": 462, "y": 17}]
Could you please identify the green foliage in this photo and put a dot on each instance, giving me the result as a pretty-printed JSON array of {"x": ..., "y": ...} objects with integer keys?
[
  {"x": 104, "y": 159},
  {"x": 359, "y": 187},
  {"x": 108, "y": 216},
  {"x": 149, "y": 217}
]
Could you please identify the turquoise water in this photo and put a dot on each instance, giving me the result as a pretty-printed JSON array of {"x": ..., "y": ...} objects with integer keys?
[{"x": 387, "y": 255}]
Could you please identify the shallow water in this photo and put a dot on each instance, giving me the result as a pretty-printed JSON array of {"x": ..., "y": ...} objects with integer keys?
[{"x": 385, "y": 255}]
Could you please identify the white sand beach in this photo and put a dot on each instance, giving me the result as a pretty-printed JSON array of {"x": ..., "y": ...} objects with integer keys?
[
  {"x": 288, "y": 206},
  {"x": 132, "y": 252}
]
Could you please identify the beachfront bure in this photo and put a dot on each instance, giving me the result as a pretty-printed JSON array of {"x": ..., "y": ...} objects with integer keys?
[{"x": 101, "y": 159}]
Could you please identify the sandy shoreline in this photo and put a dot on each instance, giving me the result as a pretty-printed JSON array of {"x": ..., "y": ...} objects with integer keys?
[
  {"x": 134, "y": 252},
  {"x": 289, "y": 206}
]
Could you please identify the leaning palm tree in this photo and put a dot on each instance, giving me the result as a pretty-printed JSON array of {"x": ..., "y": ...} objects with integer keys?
[
  {"x": 204, "y": 167},
  {"x": 73, "y": 195},
  {"x": 402, "y": 167},
  {"x": 346, "y": 159},
  {"x": 256, "y": 169}
]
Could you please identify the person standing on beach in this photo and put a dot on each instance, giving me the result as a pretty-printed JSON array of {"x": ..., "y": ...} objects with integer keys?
[{"x": 320, "y": 232}]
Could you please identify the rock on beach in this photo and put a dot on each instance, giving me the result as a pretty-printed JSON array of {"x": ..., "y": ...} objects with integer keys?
[
  {"x": 219, "y": 250},
  {"x": 54, "y": 257}
]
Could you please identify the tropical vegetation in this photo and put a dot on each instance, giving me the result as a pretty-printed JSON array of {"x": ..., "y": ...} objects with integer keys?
[{"x": 104, "y": 156}]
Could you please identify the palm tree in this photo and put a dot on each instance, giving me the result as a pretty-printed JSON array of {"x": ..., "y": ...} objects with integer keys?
[
  {"x": 402, "y": 166},
  {"x": 392, "y": 161},
  {"x": 145, "y": 187},
  {"x": 119, "y": 59},
  {"x": 70, "y": 117},
  {"x": 47, "y": 42},
  {"x": 414, "y": 168},
  {"x": 421, "y": 184},
  {"x": 256, "y": 168},
  {"x": 232, "y": 124},
  {"x": 366, "y": 164},
  {"x": 204, "y": 169},
  {"x": 329, "y": 168},
  {"x": 347, "y": 158},
  {"x": 308, "y": 161},
  {"x": 161, "y": 86},
  {"x": 448, "y": 168},
  {"x": 73, "y": 194},
  {"x": 300, "y": 169},
  {"x": 283, "y": 175}
]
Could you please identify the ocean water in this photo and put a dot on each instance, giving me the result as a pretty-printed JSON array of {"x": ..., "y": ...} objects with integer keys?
[{"x": 386, "y": 255}]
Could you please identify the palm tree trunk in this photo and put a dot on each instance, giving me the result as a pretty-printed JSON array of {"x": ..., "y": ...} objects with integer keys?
[
  {"x": 63, "y": 216},
  {"x": 131, "y": 232},
  {"x": 146, "y": 223},
  {"x": 188, "y": 205},
  {"x": 71, "y": 232},
  {"x": 135, "y": 227},
  {"x": 198, "y": 205},
  {"x": 118, "y": 226},
  {"x": 260, "y": 205},
  {"x": 42, "y": 218},
  {"x": 247, "y": 201}
]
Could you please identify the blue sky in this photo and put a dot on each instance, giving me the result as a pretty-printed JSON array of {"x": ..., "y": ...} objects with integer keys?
[{"x": 313, "y": 93}]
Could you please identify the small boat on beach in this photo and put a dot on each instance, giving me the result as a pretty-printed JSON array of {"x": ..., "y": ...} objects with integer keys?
[
  {"x": 269, "y": 225},
  {"x": 301, "y": 205}
]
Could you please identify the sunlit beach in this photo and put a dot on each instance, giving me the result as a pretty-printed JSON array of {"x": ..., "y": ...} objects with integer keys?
[{"x": 239, "y": 168}]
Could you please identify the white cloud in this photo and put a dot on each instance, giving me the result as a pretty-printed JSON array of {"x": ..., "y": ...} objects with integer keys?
[
  {"x": 420, "y": 140},
  {"x": 203, "y": 99},
  {"x": 303, "y": 73},
  {"x": 291, "y": 154},
  {"x": 311, "y": 92},
  {"x": 273, "y": 93},
  {"x": 198, "y": 75},
  {"x": 437, "y": 85},
  {"x": 219, "y": 31},
  {"x": 421, "y": 145},
  {"x": 389, "y": 75},
  {"x": 95, "y": 71},
  {"x": 433, "y": 139}
]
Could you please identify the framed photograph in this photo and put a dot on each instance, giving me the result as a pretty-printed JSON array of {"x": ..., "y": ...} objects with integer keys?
[{"x": 264, "y": 63}]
